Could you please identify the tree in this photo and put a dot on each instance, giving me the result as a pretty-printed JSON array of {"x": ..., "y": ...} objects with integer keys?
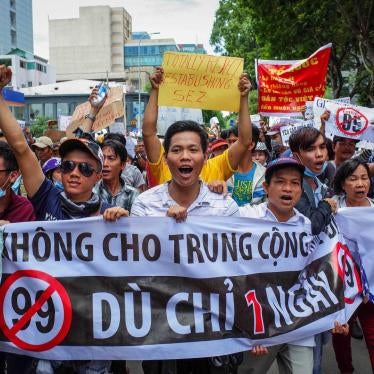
[
  {"x": 38, "y": 127},
  {"x": 295, "y": 29}
]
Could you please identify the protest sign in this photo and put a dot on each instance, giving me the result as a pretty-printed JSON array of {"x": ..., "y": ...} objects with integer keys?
[
  {"x": 288, "y": 130},
  {"x": 285, "y": 86},
  {"x": 112, "y": 109},
  {"x": 350, "y": 121},
  {"x": 151, "y": 288},
  {"x": 350, "y": 222},
  {"x": 200, "y": 81},
  {"x": 168, "y": 115},
  {"x": 64, "y": 122},
  {"x": 318, "y": 106}
]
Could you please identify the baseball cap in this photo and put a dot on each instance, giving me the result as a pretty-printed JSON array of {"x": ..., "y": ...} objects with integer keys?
[
  {"x": 281, "y": 163},
  {"x": 42, "y": 142},
  {"x": 218, "y": 144},
  {"x": 275, "y": 129},
  {"x": 84, "y": 145},
  {"x": 261, "y": 146},
  {"x": 51, "y": 164}
]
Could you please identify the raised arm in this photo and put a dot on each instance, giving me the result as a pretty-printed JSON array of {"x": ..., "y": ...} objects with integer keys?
[
  {"x": 238, "y": 149},
  {"x": 89, "y": 119},
  {"x": 29, "y": 165},
  {"x": 152, "y": 143}
]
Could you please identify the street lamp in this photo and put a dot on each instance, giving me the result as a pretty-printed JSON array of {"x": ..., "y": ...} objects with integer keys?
[{"x": 139, "y": 71}]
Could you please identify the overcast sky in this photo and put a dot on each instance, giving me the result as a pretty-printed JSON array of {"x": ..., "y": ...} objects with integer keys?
[{"x": 187, "y": 21}]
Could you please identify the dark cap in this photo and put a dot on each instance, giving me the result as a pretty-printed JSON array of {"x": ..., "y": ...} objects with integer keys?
[
  {"x": 84, "y": 145},
  {"x": 283, "y": 162}
]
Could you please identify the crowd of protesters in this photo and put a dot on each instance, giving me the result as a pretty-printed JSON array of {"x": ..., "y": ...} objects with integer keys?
[{"x": 194, "y": 170}]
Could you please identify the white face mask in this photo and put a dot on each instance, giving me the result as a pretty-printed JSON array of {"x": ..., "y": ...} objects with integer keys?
[{"x": 2, "y": 191}]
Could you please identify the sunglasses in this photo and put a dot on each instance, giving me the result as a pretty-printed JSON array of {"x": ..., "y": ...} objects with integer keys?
[{"x": 84, "y": 168}]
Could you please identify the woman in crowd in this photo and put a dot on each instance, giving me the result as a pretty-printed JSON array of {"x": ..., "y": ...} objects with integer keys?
[{"x": 351, "y": 187}]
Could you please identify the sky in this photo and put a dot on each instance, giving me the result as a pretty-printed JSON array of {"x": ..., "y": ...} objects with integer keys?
[{"x": 187, "y": 21}]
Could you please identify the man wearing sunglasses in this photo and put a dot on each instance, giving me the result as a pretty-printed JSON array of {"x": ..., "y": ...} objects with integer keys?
[{"x": 81, "y": 166}]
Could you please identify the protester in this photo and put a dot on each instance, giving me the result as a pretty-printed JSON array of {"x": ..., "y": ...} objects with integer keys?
[
  {"x": 308, "y": 145},
  {"x": 43, "y": 148},
  {"x": 351, "y": 185},
  {"x": 185, "y": 154},
  {"x": 13, "y": 208},
  {"x": 52, "y": 171},
  {"x": 112, "y": 188},
  {"x": 277, "y": 146},
  {"x": 245, "y": 185},
  {"x": 217, "y": 147},
  {"x": 81, "y": 166},
  {"x": 131, "y": 174},
  {"x": 217, "y": 168},
  {"x": 283, "y": 186},
  {"x": 260, "y": 154}
]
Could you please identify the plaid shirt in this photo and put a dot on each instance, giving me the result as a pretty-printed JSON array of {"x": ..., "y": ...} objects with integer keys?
[{"x": 123, "y": 198}]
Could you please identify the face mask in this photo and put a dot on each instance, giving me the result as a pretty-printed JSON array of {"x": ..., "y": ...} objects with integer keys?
[
  {"x": 275, "y": 146},
  {"x": 59, "y": 185},
  {"x": 2, "y": 191},
  {"x": 16, "y": 184},
  {"x": 310, "y": 173}
]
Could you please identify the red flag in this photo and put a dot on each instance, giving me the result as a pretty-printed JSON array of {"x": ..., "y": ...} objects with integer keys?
[{"x": 285, "y": 86}]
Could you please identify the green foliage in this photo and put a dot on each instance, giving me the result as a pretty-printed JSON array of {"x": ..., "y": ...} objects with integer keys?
[
  {"x": 294, "y": 29},
  {"x": 208, "y": 114},
  {"x": 39, "y": 126}
]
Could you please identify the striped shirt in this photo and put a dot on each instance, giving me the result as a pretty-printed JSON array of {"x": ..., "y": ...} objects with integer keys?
[
  {"x": 156, "y": 202},
  {"x": 123, "y": 198}
]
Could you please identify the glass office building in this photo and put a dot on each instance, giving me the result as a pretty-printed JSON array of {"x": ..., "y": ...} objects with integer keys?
[{"x": 16, "y": 29}]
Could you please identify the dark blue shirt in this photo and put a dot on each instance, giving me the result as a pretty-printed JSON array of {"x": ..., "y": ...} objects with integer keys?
[{"x": 47, "y": 203}]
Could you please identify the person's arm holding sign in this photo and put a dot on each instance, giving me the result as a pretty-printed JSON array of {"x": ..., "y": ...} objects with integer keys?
[
  {"x": 90, "y": 117},
  {"x": 152, "y": 143},
  {"x": 31, "y": 171},
  {"x": 238, "y": 149}
]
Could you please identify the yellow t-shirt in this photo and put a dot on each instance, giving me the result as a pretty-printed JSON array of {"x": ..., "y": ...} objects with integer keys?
[{"x": 217, "y": 168}]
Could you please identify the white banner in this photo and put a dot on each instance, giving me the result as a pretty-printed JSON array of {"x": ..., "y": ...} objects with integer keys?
[
  {"x": 316, "y": 108},
  {"x": 287, "y": 131},
  {"x": 351, "y": 222},
  {"x": 150, "y": 288}
]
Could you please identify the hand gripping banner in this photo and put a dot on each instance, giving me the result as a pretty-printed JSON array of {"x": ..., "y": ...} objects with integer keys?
[{"x": 150, "y": 288}]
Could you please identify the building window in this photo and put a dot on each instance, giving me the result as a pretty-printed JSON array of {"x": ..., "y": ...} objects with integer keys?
[
  {"x": 12, "y": 4},
  {"x": 35, "y": 110},
  {"x": 29, "y": 84},
  {"x": 22, "y": 64},
  {"x": 48, "y": 110},
  {"x": 40, "y": 67},
  {"x": 62, "y": 109}
]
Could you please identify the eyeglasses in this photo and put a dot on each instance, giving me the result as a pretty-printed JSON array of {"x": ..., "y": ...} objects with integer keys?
[
  {"x": 6, "y": 170},
  {"x": 84, "y": 168}
]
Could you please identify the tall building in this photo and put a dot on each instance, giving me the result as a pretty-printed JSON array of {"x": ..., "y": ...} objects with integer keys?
[
  {"x": 16, "y": 26},
  {"x": 91, "y": 46}
]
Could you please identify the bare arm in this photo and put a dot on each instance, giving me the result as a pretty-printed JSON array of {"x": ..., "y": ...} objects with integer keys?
[
  {"x": 238, "y": 149},
  {"x": 88, "y": 122},
  {"x": 30, "y": 168},
  {"x": 152, "y": 143}
]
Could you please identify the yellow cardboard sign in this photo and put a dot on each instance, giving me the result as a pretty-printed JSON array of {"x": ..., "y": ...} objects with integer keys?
[{"x": 200, "y": 81}]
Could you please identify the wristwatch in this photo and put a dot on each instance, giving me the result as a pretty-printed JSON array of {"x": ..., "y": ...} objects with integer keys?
[{"x": 90, "y": 116}]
